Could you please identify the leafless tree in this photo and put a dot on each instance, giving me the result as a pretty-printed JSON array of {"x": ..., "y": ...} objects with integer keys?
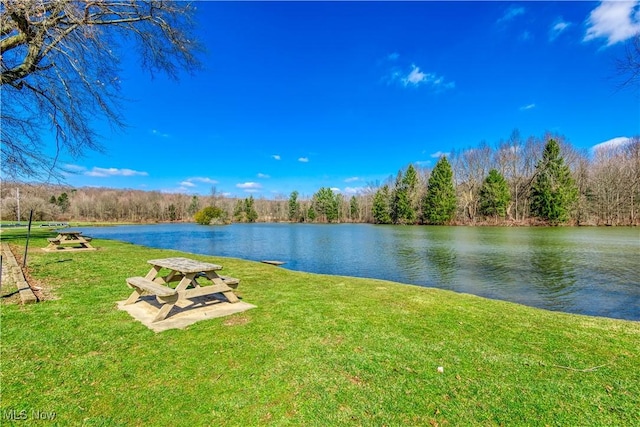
[
  {"x": 59, "y": 64},
  {"x": 629, "y": 65},
  {"x": 470, "y": 167}
]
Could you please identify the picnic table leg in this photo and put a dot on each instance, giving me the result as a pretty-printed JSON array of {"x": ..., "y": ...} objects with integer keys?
[
  {"x": 187, "y": 279},
  {"x": 151, "y": 275},
  {"x": 168, "y": 303},
  {"x": 133, "y": 297},
  {"x": 231, "y": 297},
  {"x": 171, "y": 277},
  {"x": 217, "y": 280}
]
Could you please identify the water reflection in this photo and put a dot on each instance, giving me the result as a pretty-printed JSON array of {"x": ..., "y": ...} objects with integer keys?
[
  {"x": 580, "y": 270},
  {"x": 443, "y": 260},
  {"x": 552, "y": 272}
]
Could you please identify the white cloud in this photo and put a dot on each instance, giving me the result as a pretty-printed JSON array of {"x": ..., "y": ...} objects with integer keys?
[
  {"x": 353, "y": 190},
  {"x": 393, "y": 56},
  {"x": 191, "y": 182},
  {"x": 264, "y": 176},
  {"x": 611, "y": 144},
  {"x": 352, "y": 179},
  {"x": 511, "y": 13},
  {"x": 439, "y": 154},
  {"x": 336, "y": 190},
  {"x": 528, "y": 107},
  {"x": 276, "y": 156},
  {"x": 249, "y": 186},
  {"x": 107, "y": 172},
  {"x": 303, "y": 159},
  {"x": 160, "y": 134},
  {"x": 203, "y": 180},
  {"x": 616, "y": 21},
  {"x": 415, "y": 78},
  {"x": 558, "y": 28}
]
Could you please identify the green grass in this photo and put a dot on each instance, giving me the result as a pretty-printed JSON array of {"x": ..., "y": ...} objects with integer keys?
[{"x": 318, "y": 350}]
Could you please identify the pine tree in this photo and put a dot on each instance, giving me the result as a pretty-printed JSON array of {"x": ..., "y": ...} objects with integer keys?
[
  {"x": 410, "y": 181},
  {"x": 294, "y": 206},
  {"x": 403, "y": 207},
  {"x": 399, "y": 200},
  {"x": 250, "y": 210},
  {"x": 63, "y": 202},
  {"x": 238, "y": 211},
  {"x": 354, "y": 209},
  {"x": 311, "y": 213},
  {"x": 194, "y": 206},
  {"x": 554, "y": 192},
  {"x": 325, "y": 204},
  {"x": 494, "y": 195},
  {"x": 380, "y": 209},
  {"x": 439, "y": 205}
]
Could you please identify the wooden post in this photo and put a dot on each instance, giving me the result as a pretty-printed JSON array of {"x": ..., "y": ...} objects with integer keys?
[
  {"x": 18, "y": 203},
  {"x": 26, "y": 246}
]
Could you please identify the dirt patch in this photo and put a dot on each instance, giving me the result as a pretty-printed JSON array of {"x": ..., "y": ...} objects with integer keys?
[
  {"x": 14, "y": 276},
  {"x": 236, "y": 321},
  {"x": 40, "y": 289}
]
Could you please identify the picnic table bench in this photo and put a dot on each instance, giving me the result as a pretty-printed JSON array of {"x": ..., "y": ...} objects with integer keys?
[
  {"x": 69, "y": 241},
  {"x": 186, "y": 272}
]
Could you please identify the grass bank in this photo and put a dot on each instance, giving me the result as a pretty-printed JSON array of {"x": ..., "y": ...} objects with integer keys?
[{"x": 319, "y": 350}]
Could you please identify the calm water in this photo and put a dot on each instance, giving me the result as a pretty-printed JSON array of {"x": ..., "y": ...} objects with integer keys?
[{"x": 594, "y": 271}]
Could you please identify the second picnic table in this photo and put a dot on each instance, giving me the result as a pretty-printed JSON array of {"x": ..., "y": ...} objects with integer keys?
[
  {"x": 185, "y": 271},
  {"x": 69, "y": 241}
]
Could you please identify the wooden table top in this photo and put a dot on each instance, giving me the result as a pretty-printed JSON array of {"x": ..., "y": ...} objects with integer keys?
[{"x": 184, "y": 265}]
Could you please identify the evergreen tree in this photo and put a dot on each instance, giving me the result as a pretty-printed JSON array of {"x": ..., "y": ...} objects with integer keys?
[
  {"x": 244, "y": 210},
  {"x": 354, "y": 209},
  {"x": 194, "y": 206},
  {"x": 311, "y": 213},
  {"x": 171, "y": 211},
  {"x": 325, "y": 204},
  {"x": 554, "y": 192},
  {"x": 405, "y": 197},
  {"x": 294, "y": 207},
  {"x": 63, "y": 202},
  {"x": 410, "y": 181},
  {"x": 380, "y": 209},
  {"x": 238, "y": 211},
  {"x": 250, "y": 210},
  {"x": 439, "y": 205},
  {"x": 494, "y": 195},
  {"x": 395, "y": 205}
]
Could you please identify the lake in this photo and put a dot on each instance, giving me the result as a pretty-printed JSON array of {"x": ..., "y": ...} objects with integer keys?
[{"x": 593, "y": 271}]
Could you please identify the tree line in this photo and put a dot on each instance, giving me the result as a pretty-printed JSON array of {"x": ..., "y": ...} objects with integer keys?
[{"x": 537, "y": 180}]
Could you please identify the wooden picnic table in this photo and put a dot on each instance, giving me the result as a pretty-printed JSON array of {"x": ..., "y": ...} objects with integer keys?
[
  {"x": 69, "y": 241},
  {"x": 186, "y": 272}
]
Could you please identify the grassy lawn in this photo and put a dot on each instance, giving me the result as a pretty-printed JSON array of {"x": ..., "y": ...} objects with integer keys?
[{"x": 318, "y": 350}]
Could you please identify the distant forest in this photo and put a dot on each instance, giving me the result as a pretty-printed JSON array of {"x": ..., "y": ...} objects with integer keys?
[{"x": 518, "y": 181}]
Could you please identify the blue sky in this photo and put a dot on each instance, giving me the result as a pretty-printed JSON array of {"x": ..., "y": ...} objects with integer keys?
[{"x": 303, "y": 95}]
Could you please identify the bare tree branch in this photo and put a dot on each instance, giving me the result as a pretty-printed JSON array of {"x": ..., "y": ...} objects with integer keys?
[
  {"x": 629, "y": 66},
  {"x": 59, "y": 70}
]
